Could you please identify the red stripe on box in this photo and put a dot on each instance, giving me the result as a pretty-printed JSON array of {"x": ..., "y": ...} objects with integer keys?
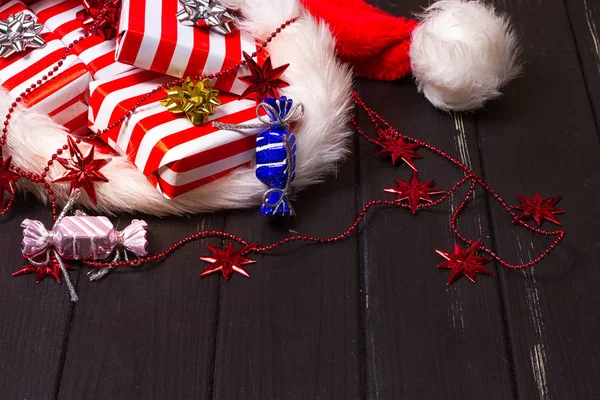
[
  {"x": 174, "y": 191},
  {"x": 57, "y": 8},
  {"x": 68, "y": 104},
  {"x": 233, "y": 53},
  {"x": 167, "y": 143},
  {"x": 168, "y": 38},
  {"x": 132, "y": 40},
  {"x": 56, "y": 83},
  {"x": 213, "y": 155},
  {"x": 76, "y": 122},
  {"x": 44, "y": 64},
  {"x": 198, "y": 57}
]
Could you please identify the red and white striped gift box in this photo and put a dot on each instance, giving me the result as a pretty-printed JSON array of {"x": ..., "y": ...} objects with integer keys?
[
  {"x": 60, "y": 16},
  {"x": 175, "y": 155},
  {"x": 151, "y": 37},
  {"x": 62, "y": 97}
]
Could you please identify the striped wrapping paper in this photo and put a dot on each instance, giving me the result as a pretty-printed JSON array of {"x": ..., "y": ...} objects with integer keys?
[
  {"x": 175, "y": 155},
  {"x": 60, "y": 16},
  {"x": 150, "y": 37},
  {"x": 63, "y": 96}
]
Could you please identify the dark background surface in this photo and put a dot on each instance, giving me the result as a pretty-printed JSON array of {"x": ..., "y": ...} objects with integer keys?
[{"x": 369, "y": 317}]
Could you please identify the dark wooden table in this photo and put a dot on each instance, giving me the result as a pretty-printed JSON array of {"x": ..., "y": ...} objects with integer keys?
[{"x": 369, "y": 317}]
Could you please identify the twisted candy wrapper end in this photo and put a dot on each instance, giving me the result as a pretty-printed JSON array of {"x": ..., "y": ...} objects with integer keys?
[
  {"x": 134, "y": 238},
  {"x": 36, "y": 238}
]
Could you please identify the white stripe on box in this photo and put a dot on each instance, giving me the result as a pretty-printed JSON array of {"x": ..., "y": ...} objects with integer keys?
[
  {"x": 71, "y": 36},
  {"x": 116, "y": 68},
  {"x": 155, "y": 135},
  {"x": 128, "y": 126},
  {"x": 152, "y": 33},
  {"x": 97, "y": 51},
  {"x": 183, "y": 49},
  {"x": 124, "y": 17},
  {"x": 65, "y": 93},
  {"x": 62, "y": 18},
  {"x": 28, "y": 60},
  {"x": 70, "y": 61},
  {"x": 95, "y": 84},
  {"x": 41, "y": 5},
  {"x": 70, "y": 113},
  {"x": 182, "y": 178},
  {"x": 249, "y": 46},
  {"x": 111, "y": 101},
  {"x": 216, "y": 53},
  {"x": 206, "y": 142}
]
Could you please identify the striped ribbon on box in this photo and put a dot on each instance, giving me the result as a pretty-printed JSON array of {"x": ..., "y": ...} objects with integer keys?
[
  {"x": 63, "y": 96},
  {"x": 60, "y": 16},
  {"x": 175, "y": 155},
  {"x": 151, "y": 37}
]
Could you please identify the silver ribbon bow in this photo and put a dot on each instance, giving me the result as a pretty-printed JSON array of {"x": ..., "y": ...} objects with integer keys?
[
  {"x": 215, "y": 15},
  {"x": 19, "y": 32}
]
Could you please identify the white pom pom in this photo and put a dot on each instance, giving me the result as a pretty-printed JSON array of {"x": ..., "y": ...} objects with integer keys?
[{"x": 462, "y": 53}]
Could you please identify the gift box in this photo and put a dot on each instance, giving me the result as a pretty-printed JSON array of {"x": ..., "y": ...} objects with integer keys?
[
  {"x": 60, "y": 16},
  {"x": 150, "y": 37},
  {"x": 175, "y": 155},
  {"x": 62, "y": 97}
]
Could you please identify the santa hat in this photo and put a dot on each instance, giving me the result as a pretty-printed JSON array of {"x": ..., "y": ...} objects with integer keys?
[{"x": 460, "y": 52}]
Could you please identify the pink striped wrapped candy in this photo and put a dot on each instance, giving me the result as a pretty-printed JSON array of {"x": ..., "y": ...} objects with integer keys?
[
  {"x": 150, "y": 37},
  {"x": 83, "y": 238}
]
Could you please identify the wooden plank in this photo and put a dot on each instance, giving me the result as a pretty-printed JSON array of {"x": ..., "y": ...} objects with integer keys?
[
  {"x": 150, "y": 333},
  {"x": 426, "y": 340},
  {"x": 584, "y": 18},
  {"x": 34, "y": 318},
  {"x": 292, "y": 331},
  {"x": 542, "y": 137}
]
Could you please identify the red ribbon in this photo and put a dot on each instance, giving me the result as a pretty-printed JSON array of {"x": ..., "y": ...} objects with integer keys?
[{"x": 104, "y": 15}]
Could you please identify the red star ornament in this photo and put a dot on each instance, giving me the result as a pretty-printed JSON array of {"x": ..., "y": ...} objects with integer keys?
[
  {"x": 399, "y": 149},
  {"x": 263, "y": 81},
  {"x": 7, "y": 179},
  {"x": 414, "y": 191},
  {"x": 82, "y": 170},
  {"x": 228, "y": 260},
  {"x": 538, "y": 208},
  {"x": 52, "y": 269},
  {"x": 464, "y": 262}
]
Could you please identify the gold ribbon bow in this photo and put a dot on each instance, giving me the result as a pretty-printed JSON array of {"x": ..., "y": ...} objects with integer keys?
[{"x": 196, "y": 100}]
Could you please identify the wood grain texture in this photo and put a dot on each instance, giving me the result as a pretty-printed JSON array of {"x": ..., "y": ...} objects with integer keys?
[
  {"x": 147, "y": 334},
  {"x": 292, "y": 331},
  {"x": 34, "y": 319},
  {"x": 542, "y": 137}
]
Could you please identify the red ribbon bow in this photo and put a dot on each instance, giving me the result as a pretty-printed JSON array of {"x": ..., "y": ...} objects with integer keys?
[{"x": 102, "y": 15}]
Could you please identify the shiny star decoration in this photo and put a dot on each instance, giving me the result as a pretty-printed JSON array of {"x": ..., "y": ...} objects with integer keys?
[
  {"x": 51, "y": 269},
  {"x": 464, "y": 262},
  {"x": 82, "y": 170},
  {"x": 19, "y": 32},
  {"x": 7, "y": 179},
  {"x": 228, "y": 260},
  {"x": 414, "y": 191},
  {"x": 399, "y": 149},
  {"x": 538, "y": 208},
  {"x": 195, "y": 100},
  {"x": 205, "y": 12},
  {"x": 263, "y": 81}
]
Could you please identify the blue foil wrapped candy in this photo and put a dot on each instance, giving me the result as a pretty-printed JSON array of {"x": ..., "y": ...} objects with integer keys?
[{"x": 276, "y": 157}]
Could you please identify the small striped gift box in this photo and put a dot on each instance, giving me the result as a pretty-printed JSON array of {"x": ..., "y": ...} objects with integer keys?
[
  {"x": 150, "y": 37},
  {"x": 60, "y": 16},
  {"x": 175, "y": 155},
  {"x": 63, "y": 96}
]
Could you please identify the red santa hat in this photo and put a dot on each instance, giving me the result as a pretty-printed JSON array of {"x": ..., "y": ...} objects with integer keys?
[{"x": 460, "y": 52}]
